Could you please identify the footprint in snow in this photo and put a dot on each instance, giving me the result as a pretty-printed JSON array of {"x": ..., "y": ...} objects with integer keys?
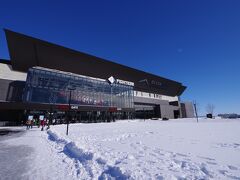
[
  {"x": 206, "y": 171},
  {"x": 181, "y": 164},
  {"x": 233, "y": 177},
  {"x": 232, "y": 167},
  {"x": 180, "y": 154},
  {"x": 211, "y": 163},
  {"x": 159, "y": 178},
  {"x": 133, "y": 145},
  {"x": 160, "y": 154},
  {"x": 236, "y": 145},
  {"x": 139, "y": 142},
  {"x": 149, "y": 132},
  {"x": 207, "y": 158},
  {"x": 227, "y": 145},
  {"x": 145, "y": 147},
  {"x": 224, "y": 172},
  {"x": 101, "y": 161}
]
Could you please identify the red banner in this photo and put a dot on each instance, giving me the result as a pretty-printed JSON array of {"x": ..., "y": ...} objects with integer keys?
[
  {"x": 112, "y": 109},
  {"x": 63, "y": 107}
]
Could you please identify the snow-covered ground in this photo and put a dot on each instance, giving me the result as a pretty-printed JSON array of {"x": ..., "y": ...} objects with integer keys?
[{"x": 136, "y": 149}]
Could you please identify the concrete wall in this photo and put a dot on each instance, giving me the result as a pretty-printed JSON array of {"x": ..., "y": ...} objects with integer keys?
[
  {"x": 11, "y": 90},
  {"x": 187, "y": 110},
  {"x": 7, "y": 73},
  {"x": 168, "y": 111},
  {"x": 165, "y": 109},
  {"x": 4, "y": 88},
  {"x": 12, "y": 83}
]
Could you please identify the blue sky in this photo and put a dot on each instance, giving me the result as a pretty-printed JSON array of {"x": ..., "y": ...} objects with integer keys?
[{"x": 191, "y": 41}]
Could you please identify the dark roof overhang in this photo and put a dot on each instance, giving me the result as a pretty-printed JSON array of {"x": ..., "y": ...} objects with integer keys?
[{"x": 26, "y": 52}]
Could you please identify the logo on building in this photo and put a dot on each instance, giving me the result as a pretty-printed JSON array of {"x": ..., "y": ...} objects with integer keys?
[
  {"x": 111, "y": 80},
  {"x": 152, "y": 82},
  {"x": 144, "y": 81}
]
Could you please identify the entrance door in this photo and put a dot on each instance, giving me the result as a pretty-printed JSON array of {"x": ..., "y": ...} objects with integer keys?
[{"x": 176, "y": 114}]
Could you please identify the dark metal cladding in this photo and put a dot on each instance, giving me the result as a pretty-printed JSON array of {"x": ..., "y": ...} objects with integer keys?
[
  {"x": 4, "y": 61},
  {"x": 26, "y": 52}
]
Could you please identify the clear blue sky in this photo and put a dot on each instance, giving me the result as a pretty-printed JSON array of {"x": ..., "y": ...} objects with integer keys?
[{"x": 196, "y": 42}]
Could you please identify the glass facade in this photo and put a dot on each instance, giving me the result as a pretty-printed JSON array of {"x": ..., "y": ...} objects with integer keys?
[{"x": 51, "y": 86}]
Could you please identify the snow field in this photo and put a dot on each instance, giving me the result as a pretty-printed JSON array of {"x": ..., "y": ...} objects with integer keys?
[{"x": 175, "y": 149}]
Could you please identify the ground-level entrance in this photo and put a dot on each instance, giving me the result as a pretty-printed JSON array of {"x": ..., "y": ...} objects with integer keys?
[
  {"x": 60, "y": 117},
  {"x": 13, "y": 113},
  {"x": 147, "y": 111}
]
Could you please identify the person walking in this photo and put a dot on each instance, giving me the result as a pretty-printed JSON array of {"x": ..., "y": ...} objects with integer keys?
[
  {"x": 38, "y": 122},
  {"x": 31, "y": 123},
  {"x": 42, "y": 124},
  {"x": 28, "y": 124},
  {"x": 48, "y": 124}
]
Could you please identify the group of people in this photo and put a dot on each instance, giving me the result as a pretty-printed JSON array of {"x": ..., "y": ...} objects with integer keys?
[
  {"x": 29, "y": 124},
  {"x": 38, "y": 123}
]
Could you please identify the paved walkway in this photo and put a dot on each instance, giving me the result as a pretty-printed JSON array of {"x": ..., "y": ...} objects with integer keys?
[
  {"x": 14, "y": 161},
  {"x": 29, "y": 154},
  {"x": 13, "y": 158}
]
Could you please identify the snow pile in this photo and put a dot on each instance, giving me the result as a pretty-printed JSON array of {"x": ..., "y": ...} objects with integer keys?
[
  {"x": 75, "y": 152},
  {"x": 173, "y": 149},
  {"x": 54, "y": 136},
  {"x": 87, "y": 164}
]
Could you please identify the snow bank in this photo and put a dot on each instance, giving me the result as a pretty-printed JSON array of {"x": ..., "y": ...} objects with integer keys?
[
  {"x": 95, "y": 166},
  {"x": 75, "y": 152},
  {"x": 55, "y": 137},
  {"x": 69, "y": 147}
]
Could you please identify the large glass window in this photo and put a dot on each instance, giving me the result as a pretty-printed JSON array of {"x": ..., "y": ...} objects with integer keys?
[{"x": 51, "y": 86}]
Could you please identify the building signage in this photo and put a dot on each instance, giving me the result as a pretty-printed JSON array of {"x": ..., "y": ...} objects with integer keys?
[
  {"x": 111, "y": 80},
  {"x": 157, "y": 83},
  {"x": 119, "y": 81},
  {"x": 152, "y": 82},
  {"x": 74, "y": 107},
  {"x": 112, "y": 109},
  {"x": 63, "y": 107}
]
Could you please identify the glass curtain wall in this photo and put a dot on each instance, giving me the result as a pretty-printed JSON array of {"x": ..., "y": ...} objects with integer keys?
[{"x": 51, "y": 86}]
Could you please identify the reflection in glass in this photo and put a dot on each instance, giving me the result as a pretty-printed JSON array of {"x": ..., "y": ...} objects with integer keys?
[{"x": 50, "y": 86}]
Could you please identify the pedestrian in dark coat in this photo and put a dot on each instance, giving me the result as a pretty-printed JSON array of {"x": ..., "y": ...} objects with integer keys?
[
  {"x": 28, "y": 123},
  {"x": 42, "y": 124}
]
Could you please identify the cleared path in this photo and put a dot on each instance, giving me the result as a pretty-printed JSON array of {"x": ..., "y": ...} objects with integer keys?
[{"x": 30, "y": 155}]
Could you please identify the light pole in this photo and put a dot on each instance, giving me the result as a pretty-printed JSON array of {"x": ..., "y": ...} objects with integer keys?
[
  {"x": 111, "y": 80},
  {"x": 144, "y": 114},
  {"x": 52, "y": 100},
  {"x": 70, "y": 88},
  {"x": 111, "y": 95},
  {"x": 195, "y": 108}
]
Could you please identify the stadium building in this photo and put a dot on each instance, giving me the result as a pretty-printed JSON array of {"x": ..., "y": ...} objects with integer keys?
[{"x": 43, "y": 79}]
